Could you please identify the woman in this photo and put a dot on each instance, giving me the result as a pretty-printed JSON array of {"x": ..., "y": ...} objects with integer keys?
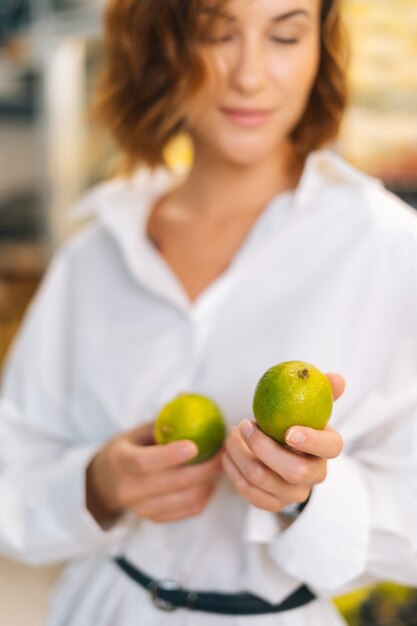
[{"x": 266, "y": 250}]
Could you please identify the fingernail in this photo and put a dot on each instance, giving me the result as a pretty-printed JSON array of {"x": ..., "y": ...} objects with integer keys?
[
  {"x": 187, "y": 450},
  {"x": 246, "y": 428},
  {"x": 295, "y": 436}
]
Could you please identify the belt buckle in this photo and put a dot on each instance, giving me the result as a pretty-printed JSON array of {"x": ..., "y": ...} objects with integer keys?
[{"x": 155, "y": 586}]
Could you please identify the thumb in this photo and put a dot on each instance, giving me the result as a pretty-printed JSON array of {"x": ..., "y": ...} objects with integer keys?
[
  {"x": 338, "y": 384},
  {"x": 142, "y": 435}
]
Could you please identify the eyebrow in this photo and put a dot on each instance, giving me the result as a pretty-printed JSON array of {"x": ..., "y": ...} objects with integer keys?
[
  {"x": 217, "y": 13},
  {"x": 287, "y": 16},
  {"x": 232, "y": 18}
]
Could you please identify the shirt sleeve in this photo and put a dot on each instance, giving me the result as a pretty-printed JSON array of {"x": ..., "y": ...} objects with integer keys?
[
  {"x": 359, "y": 525},
  {"x": 43, "y": 459}
]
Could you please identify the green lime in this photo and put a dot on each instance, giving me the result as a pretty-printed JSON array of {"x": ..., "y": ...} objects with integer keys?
[
  {"x": 289, "y": 394},
  {"x": 195, "y": 417}
]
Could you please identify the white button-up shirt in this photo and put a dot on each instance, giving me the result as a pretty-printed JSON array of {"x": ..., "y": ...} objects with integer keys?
[{"x": 328, "y": 274}]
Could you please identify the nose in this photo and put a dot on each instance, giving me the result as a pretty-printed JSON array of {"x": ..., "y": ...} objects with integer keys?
[{"x": 249, "y": 69}]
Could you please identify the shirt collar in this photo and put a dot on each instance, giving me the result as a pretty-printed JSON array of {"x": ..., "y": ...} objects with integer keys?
[
  {"x": 122, "y": 205},
  {"x": 324, "y": 169},
  {"x": 115, "y": 202}
]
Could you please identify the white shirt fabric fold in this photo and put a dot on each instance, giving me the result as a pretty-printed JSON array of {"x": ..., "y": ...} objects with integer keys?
[{"x": 328, "y": 274}]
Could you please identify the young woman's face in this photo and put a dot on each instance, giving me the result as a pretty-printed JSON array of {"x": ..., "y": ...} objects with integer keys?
[{"x": 264, "y": 57}]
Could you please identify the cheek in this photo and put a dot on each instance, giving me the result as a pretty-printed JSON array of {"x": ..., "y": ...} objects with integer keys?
[
  {"x": 295, "y": 73},
  {"x": 203, "y": 121},
  {"x": 216, "y": 71},
  {"x": 209, "y": 99}
]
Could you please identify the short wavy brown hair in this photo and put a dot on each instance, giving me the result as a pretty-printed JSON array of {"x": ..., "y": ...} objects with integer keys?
[{"x": 153, "y": 70}]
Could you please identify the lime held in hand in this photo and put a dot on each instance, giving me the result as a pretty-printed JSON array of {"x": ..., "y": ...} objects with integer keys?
[
  {"x": 290, "y": 394},
  {"x": 195, "y": 417}
]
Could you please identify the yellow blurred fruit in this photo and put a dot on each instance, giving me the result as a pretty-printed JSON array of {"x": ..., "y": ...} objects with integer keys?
[
  {"x": 289, "y": 394},
  {"x": 195, "y": 417}
]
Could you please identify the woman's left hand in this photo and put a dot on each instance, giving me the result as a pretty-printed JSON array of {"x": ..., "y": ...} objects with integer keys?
[{"x": 271, "y": 476}]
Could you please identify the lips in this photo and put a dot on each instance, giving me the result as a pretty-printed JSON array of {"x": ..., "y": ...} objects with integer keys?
[{"x": 246, "y": 117}]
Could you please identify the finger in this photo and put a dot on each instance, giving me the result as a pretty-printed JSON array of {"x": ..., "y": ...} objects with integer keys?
[
  {"x": 172, "y": 479},
  {"x": 179, "y": 514},
  {"x": 191, "y": 498},
  {"x": 297, "y": 469},
  {"x": 338, "y": 384},
  {"x": 144, "y": 434},
  {"x": 255, "y": 496},
  {"x": 251, "y": 468},
  {"x": 139, "y": 459},
  {"x": 188, "y": 475},
  {"x": 326, "y": 443}
]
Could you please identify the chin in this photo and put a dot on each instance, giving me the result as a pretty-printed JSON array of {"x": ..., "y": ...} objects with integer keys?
[
  {"x": 245, "y": 160},
  {"x": 248, "y": 153},
  {"x": 241, "y": 148}
]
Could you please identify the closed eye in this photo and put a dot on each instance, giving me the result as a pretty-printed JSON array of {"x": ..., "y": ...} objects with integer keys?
[
  {"x": 285, "y": 40},
  {"x": 222, "y": 39}
]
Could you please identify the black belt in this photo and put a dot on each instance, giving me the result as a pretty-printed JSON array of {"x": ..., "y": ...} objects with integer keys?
[{"x": 168, "y": 596}]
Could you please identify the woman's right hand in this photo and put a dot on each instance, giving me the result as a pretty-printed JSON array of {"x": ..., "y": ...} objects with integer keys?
[{"x": 133, "y": 473}]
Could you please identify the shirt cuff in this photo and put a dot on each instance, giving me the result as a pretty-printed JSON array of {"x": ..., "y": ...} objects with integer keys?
[
  {"x": 327, "y": 545},
  {"x": 261, "y": 575},
  {"x": 67, "y": 495}
]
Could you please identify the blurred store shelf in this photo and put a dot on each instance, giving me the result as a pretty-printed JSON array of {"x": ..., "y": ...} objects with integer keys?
[
  {"x": 43, "y": 102},
  {"x": 21, "y": 268},
  {"x": 379, "y": 133},
  {"x": 69, "y": 17}
]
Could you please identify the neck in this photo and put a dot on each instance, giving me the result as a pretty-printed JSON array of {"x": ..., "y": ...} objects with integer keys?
[{"x": 215, "y": 187}]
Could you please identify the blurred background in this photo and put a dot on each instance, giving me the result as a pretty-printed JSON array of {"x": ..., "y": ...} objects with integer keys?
[{"x": 50, "y": 151}]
